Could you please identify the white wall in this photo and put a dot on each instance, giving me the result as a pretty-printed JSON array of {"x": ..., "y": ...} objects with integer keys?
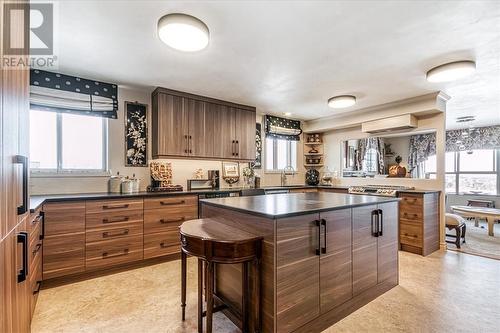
[{"x": 182, "y": 169}]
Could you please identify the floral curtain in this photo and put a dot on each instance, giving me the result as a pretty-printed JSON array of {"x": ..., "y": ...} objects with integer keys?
[
  {"x": 474, "y": 138},
  {"x": 371, "y": 143}
]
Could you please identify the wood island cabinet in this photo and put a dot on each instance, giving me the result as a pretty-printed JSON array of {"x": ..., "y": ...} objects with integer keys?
[{"x": 187, "y": 125}]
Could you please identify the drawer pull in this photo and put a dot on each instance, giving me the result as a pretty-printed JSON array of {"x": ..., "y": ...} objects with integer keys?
[
  {"x": 38, "y": 286},
  {"x": 37, "y": 219},
  {"x": 106, "y": 255},
  {"x": 37, "y": 248},
  {"x": 414, "y": 200},
  {"x": 123, "y": 219},
  {"x": 163, "y": 245},
  {"x": 109, "y": 234},
  {"x": 163, "y": 221},
  {"x": 115, "y": 206},
  {"x": 407, "y": 235},
  {"x": 414, "y": 215},
  {"x": 163, "y": 203}
]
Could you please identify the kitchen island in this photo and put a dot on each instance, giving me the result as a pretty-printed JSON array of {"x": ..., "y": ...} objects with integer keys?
[{"x": 324, "y": 255}]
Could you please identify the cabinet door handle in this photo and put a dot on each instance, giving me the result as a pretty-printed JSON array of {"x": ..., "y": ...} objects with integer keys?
[
  {"x": 323, "y": 249},
  {"x": 42, "y": 234},
  {"x": 108, "y": 234},
  {"x": 38, "y": 286},
  {"x": 115, "y": 206},
  {"x": 237, "y": 148},
  {"x": 374, "y": 222},
  {"x": 22, "y": 238},
  {"x": 232, "y": 148},
  {"x": 123, "y": 219},
  {"x": 18, "y": 159},
  {"x": 166, "y": 203},
  {"x": 380, "y": 220},
  {"x": 106, "y": 255},
  {"x": 163, "y": 221},
  {"x": 37, "y": 248},
  {"x": 318, "y": 225}
]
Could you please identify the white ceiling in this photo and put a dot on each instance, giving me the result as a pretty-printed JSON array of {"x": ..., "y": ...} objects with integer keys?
[{"x": 291, "y": 56}]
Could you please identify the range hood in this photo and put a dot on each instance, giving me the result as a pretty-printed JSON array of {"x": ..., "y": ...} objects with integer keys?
[{"x": 406, "y": 121}]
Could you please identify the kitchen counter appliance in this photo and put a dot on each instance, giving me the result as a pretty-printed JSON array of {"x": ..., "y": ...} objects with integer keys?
[{"x": 380, "y": 190}]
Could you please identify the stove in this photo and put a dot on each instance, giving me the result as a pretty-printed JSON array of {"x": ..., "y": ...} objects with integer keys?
[{"x": 381, "y": 190}]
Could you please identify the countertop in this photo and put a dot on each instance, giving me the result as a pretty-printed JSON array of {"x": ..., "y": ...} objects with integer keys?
[
  {"x": 37, "y": 200},
  {"x": 293, "y": 204}
]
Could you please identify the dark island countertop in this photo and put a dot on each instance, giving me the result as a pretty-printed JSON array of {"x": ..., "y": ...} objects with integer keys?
[{"x": 293, "y": 204}]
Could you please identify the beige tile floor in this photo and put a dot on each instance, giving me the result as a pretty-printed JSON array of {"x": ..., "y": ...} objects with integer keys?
[{"x": 444, "y": 292}]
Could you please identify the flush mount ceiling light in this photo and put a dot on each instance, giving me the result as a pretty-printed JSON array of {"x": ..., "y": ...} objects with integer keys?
[
  {"x": 287, "y": 114},
  {"x": 183, "y": 32},
  {"x": 339, "y": 102},
  {"x": 451, "y": 71}
]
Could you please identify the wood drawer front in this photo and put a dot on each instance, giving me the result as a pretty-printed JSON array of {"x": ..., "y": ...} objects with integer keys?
[
  {"x": 160, "y": 244},
  {"x": 160, "y": 220},
  {"x": 113, "y": 219},
  {"x": 35, "y": 251},
  {"x": 64, "y": 218},
  {"x": 63, "y": 255},
  {"x": 35, "y": 284},
  {"x": 118, "y": 205},
  {"x": 34, "y": 220},
  {"x": 410, "y": 234},
  {"x": 413, "y": 214},
  {"x": 409, "y": 200},
  {"x": 113, "y": 252},
  {"x": 35, "y": 231},
  {"x": 183, "y": 201},
  {"x": 114, "y": 232}
]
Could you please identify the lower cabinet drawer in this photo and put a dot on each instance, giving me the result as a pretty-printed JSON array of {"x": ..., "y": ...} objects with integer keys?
[
  {"x": 183, "y": 201},
  {"x": 63, "y": 255},
  {"x": 111, "y": 219},
  {"x": 114, "y": 232},
  {"x": 410, "y": 234},
  {"x": 113, "y": 252},
  {"x": 34, "y": 254},
  {"x": 35, "y": 282},
  {"x": 161, "y": 244},
  {"x": 163, "y": 220}
]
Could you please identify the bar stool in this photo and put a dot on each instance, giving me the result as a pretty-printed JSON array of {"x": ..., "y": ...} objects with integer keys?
[{"x": 214, "y": 243}]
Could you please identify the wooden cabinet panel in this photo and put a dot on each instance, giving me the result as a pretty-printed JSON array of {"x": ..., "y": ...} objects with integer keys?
[
  {"x": 410, "y": 234},
  {"x": 160, "y": 220},
  {"x": 336, "y": 259},
  {"x": 170, "y": 126},
  {"x": 118, "y": 205},
  {"x": 114, "y": 219},
  {"x": 364, "y": 250},
  {"x": 114, "y": 232},
  {"x": 388, "y": 243},
  {"x": 245, "y": 122},
  {"x": 224, "y": 131},
  {"x": 200, "y": 129},
  {"x": 65, "y": 217},
  {"x": 184, "y": 201},
  {"x": 63, "y": 255},
  {"x": 161, "y": 244},
  {"x": 113, "y": 252},
  {"x": 297, "y": 271}
]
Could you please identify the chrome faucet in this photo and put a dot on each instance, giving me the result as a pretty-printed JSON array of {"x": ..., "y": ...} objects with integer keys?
[{"x": 287, "y": 171}]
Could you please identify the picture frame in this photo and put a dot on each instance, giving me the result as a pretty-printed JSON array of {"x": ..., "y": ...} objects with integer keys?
[
  {"x": 136, "y": 134},
  {"x": 230, "y": 170}
]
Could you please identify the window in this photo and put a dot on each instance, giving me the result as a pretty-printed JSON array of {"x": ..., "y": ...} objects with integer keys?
[
  {"x": 370, "y": 162},
  {"x": 280, "y": 154},
  {"x": 475, "y": 172},
  {"x": 63, "y": 142}
]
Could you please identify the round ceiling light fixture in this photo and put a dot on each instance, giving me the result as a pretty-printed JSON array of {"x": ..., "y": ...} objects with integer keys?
[
  {"x": 343, "y": 101},
  {"x": 183, "y": 32},
  {"x": 451, "y": 71}
]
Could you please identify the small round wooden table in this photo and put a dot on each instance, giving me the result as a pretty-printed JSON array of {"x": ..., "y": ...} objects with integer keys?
[{"x": 213, "y": 242}]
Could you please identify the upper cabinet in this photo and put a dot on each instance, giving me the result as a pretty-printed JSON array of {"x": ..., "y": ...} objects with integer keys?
[{"x": 186, "y": 125}]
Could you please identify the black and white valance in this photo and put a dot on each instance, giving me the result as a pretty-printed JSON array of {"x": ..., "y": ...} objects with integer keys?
[
  {"x": 281, "y": 128},
  {"x": 473, "y": 138},
  {"x": 63, "y": 93}
]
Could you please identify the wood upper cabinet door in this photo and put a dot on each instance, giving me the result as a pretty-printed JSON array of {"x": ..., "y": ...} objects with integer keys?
[
  {"x": 298, "y": 269},
  {"x": 388, "y": 242},
  {"x": 200, "y": 128},
  {"x": 245, "y": 134},
  {"x": 336, "y": 259},
  {"x": 364, "y": 249},
  {"x": 224, "y": 120},
  {"x": 170, "y": 126}
]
